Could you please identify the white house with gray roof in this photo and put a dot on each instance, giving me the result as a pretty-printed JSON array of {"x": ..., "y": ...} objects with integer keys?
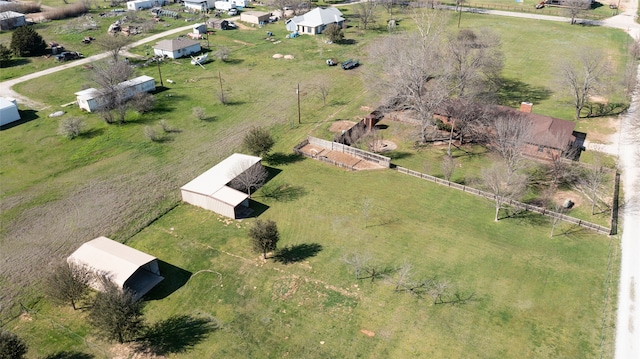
[
  {"x": 315, "y": 21},
  {"x": 174, "y": 49}
]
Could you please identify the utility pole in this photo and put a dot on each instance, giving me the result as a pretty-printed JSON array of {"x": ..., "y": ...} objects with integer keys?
[
  {"x": 159, "y": 72},
  {"x": 298, "y": 93}
]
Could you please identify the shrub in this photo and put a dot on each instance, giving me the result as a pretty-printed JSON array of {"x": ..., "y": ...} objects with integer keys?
[
  {"x": 199, "y": 113},
  {"x": 143, "y": 102},
  {"x": 333, "y": 32},
  {"x": 258, "y": 141},
  {"x": 71, "y": 127},
  {"x": 151, "y": 133},
  {"x": 5, "y": 54},
  {"x": 223, "y": 53},
  {"x": 11, "y": 346}
]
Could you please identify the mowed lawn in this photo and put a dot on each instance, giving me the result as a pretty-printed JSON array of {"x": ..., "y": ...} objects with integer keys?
[{"x": 534, "y": 296}]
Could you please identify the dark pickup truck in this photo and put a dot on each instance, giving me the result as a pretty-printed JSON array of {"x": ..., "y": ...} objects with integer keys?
[
  {"x": 350, "y": 64},
  {"x": 68, "y": 55}
]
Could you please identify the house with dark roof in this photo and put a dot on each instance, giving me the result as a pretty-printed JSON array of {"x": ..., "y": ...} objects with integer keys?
[
  {"x": 174, "y": 49},
  {"x": 315, "y": 21}
]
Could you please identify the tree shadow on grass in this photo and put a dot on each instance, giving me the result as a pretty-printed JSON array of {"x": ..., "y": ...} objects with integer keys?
[
  {"x": 512, "y": 92},
  {"x": 177, "y": 334},
  {"x": 174, "y": 278},
  {"x": 282, "y": 192},
  {"x": 69, "y": 355},
  {"x": 526, "y": 217},
  {"x": 297, "y": 253},
  {"x": 279, "y": 158}
]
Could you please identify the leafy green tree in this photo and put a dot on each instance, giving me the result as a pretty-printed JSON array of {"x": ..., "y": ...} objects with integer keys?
[
  {"x": 25, "y": 41},
  {"x": 11, "y": 346},
  {"x": 5, "y": 54},
  {"x": 264, "y": 237},
  {"x": 258, "y": 141},
  {"x": 116, "y": 313},
  {"x": 69, "y": 283},
  {"x": 333, "y": 32}
]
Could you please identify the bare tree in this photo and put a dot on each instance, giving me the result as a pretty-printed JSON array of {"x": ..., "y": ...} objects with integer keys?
[
  {"x": 223, "y": 53},
  {"x": 366, "y": 12},
  {"x": 68, "y": 283},
  {"x": 573, "y": 8},
  {"x": 592, "y": 180},
  {"x": 476, "y": 62},
  {"x": 249, "y": 179},
  {"x": 504, "y": 184},
  {"x": 558, "y": 208},
  {"x": 511, "y": 132},
  {"x": 470, "y": 120},
  {"x": 448, "y": 166},
  {"x": 359, "y": 262},
  {"x": 143, "y": 102},
  {"x": 414, "y": 73},
  {"x": 388, "y": 5},
  {"x": 113, "y": 101},
  {"x": 113, "y": 44},
  {"x": 402, "y": 278},
  {"x": 584, "y": 79},
  {"x": 323, "y": 91}
]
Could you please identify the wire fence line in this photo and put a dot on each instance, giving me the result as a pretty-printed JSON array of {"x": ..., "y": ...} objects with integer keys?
[
  {"x": 527, "y": 207},
  {"x": 356, "y": 152}
]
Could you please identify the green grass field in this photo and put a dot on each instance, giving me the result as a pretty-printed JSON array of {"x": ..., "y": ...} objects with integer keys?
[{"x": 535, "y": 295}]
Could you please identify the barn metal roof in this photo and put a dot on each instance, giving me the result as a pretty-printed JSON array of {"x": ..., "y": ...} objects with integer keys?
[
  {"x": 219, "y": 175},
  {"x": 173, "y": 45},
  {"x": 115, "y": 260}
]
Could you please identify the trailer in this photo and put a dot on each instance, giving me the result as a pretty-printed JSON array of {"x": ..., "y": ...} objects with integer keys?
[{"x": 224, "y": 5}]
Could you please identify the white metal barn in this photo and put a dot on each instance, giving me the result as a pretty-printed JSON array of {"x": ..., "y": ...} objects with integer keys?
[
  {"x": 210, "y": 190},
  {"x": 11, "y": 19},
  {"x": 176, "y": 48},
  {"x": 199, "y": 5},
  {"x": 8, "y": 111},
  {"x": 91, "y": 100},
  {"x": 126, "y": 267}
]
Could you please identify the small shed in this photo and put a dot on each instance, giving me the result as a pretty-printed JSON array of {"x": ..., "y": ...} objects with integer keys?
[
  {"x": 174, "y": 49},
  {"x": 126, "y": 267},
  {"x": 200, "y": 29},
  {"x": 91, "y": 99},
  {"x": 210, "y": 190},
  {"x": 10, "y": 20},
  {"x": 255, "y": 17},
  {"x": 139, "y": 5},
  {"x": 8, "y": 111}
]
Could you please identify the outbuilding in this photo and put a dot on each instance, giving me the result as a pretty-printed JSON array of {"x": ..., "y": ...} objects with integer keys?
[
  {"x": 174, "y": 49},
  {"x": 124, "y": 266},
  {"x": 92, "y": 99},
  {"x": 255, "y": 17},
  {"x": 11, "y": 19},
  {"x": 8, "y": 111},
  {"x": 199, "y": 5},
  {"x": 140, "y": 5},
  {"x": 210, "y": 190}
]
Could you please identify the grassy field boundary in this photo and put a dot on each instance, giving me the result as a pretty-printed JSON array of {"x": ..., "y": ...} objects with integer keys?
[{"x": 527, "y": 207}]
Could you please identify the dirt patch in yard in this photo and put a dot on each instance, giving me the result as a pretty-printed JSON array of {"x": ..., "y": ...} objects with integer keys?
[
  {"x": 340, "y": 126},
  {"x": 562, "y": 196}
]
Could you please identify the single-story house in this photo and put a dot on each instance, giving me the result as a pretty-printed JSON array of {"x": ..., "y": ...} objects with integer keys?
[
  {"x": 210, "y": 190},
  {"x": 174, "y": 49},
  {"x": 199, "y": 5},
  {"x": 8, "y": 111},
  {"x": 11, "y": 19},
  {"x": 126, "y": 267},
  {"x": 240, "y": 4},
  {"x": 315, "y": 21},
  {"x": 91, "y": 99},
  {"x": 255, "y": 17}
]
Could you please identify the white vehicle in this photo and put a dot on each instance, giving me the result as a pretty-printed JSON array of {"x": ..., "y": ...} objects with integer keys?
[
  {"x": 232, "y": 12},
  {"x": 224, "y": 5}
]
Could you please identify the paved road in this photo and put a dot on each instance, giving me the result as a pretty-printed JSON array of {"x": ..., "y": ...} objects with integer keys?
[{"x": 6, "y": 86}]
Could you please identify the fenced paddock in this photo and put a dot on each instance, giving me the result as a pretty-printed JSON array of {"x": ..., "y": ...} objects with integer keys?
[
  {"x": 527, "y": 207},
  {"x": 341, "y": 155}
]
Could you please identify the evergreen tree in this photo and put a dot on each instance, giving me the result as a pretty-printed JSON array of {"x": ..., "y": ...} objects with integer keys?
[
  {"x": 25, "y": 41},
  {"x": 5, "y": 55}
]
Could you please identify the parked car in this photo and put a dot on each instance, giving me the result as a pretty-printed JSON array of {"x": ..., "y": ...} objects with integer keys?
[
  {"x": 350, "y": 64},
  {"x": 232, "y": 12},
  {"x": 68, "y": 55}
]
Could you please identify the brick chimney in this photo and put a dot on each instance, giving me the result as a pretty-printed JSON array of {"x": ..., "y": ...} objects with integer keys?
[{"x": 526, "y": 107}]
